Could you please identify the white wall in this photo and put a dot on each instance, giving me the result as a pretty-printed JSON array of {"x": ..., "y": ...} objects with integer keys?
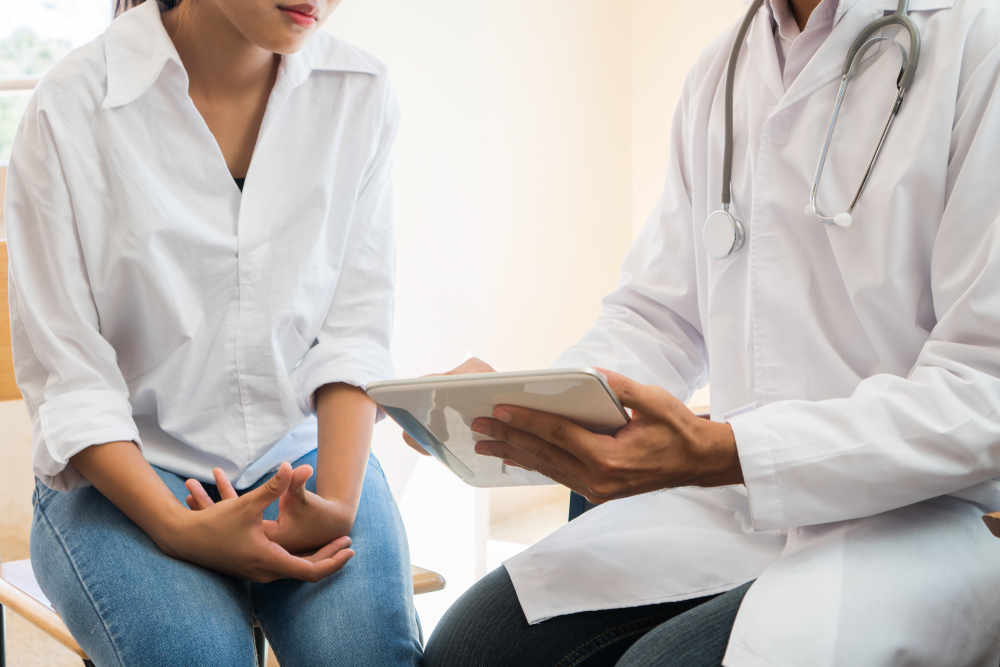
[
  {"x": 513, "y": 209},
  {"x": 667, "y": 37}
]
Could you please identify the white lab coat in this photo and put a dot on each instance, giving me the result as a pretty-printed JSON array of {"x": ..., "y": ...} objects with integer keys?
[{"x": 859, "y": 367}]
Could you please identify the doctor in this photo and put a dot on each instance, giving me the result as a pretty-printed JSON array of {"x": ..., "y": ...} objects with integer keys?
[{"x": 829, "y": 513}]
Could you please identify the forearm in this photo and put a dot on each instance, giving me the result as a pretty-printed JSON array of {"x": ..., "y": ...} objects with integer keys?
[
  {"x": 119, "y": 471},
  {"x": 346, "y": 420}
]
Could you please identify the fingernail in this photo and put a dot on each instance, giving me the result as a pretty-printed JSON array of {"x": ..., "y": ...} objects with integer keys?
[
  {"x": 484, "y": 449},
  {"x": 481, "y": 428},
  {"x": 502, "y": 415}
]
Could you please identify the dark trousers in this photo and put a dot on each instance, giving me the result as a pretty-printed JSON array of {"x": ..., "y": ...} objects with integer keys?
[{"x": 486, "y": 628}]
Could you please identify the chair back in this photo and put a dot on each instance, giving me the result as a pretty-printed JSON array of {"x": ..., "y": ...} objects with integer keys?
[{"x": 8, "y": 385}]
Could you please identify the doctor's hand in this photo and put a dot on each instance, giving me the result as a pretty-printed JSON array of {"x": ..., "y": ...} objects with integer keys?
[
  {"x": 229, "y": 536},
  {"x": 472, "y": 365},
  {"x": 306, "y": 521},
  {"x": 664, "y": 446}
]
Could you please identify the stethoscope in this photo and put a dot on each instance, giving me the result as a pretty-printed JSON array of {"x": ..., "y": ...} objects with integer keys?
[{"x": 723, "y": 233}]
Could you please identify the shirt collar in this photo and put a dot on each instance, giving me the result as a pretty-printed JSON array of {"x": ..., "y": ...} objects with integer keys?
[
  {"x": 845, "y": 6},
  {"x": 137, "y": 48}
]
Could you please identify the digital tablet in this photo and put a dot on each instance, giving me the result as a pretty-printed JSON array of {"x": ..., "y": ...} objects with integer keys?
[{"x": 438, "y": 413}]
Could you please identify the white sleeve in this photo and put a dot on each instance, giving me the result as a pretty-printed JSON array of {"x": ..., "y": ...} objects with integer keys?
[
  {"x": 650, "y": 328},
  {"x": 353, "y": 344},
  {"x": 900, "y": 440},
  {"x": 66, "y": 371}
]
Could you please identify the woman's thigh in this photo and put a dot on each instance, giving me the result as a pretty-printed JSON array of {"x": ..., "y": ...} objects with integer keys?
[
  {"x": 487, "y": 628},
  {"x": 361, "y": 616},
  {"x": 125, "y": 602}
]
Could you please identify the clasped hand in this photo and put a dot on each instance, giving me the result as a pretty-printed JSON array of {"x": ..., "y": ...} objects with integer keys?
[{"x": 231, "y": 535}]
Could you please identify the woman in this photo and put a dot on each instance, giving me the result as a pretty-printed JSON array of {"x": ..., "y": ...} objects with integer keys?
[{"x": 178, "y": 338}]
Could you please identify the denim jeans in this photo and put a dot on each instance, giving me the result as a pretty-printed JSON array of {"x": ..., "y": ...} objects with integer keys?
[
  {"x": 127, "y": 603},
  {"x": 486, "y": 628}
]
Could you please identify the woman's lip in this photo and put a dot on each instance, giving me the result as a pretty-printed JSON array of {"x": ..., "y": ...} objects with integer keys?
[{"x": 303, "y": 15}]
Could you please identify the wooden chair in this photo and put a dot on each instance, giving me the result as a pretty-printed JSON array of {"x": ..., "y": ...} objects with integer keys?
[{"x": 18, "y": 589}]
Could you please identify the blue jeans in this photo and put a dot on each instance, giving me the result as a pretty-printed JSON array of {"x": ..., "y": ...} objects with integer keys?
[{"x": 127, "y": 603}]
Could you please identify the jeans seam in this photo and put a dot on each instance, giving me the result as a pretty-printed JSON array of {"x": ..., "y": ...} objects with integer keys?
[
  {"x": 611, "y": 641},
  {"x": 79, "y": 577}
]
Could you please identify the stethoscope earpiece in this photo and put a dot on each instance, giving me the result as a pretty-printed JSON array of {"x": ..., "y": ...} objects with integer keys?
[{"x": 843, "y": 220}]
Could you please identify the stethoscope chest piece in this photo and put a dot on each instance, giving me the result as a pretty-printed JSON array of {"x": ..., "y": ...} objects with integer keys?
[{"x": 723, "y": 234}]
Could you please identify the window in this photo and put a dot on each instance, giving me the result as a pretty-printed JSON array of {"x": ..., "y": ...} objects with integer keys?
[{"x": 41, "y": 32}]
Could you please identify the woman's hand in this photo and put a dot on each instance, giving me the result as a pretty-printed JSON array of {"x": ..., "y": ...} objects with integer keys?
[
  {"x": 664, "y": 446},
  {"x": 230, "y": 536},
  {"x": 306, "y": 522},
  {"x": 227, "y": 537},
  {"x": 473, "y": 365}
]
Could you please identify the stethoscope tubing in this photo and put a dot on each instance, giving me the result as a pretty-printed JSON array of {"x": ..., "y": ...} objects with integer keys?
[{"x": 854, "y": 56}]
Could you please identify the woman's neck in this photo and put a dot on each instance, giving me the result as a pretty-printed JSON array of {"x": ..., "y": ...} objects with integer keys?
[{"x": 219, "y": 59}]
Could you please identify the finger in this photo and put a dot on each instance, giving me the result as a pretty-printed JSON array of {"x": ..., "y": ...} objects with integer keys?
[
  {"x": 642, "y": 397},
  {"x": 272, "y": 530},
  {"x": 226, "y": 490},
  {"x": 536, "y": 447},
  {"x": 300, "y": 476},
  {"x": 414, "y": 444},
  {"x": 271, "y": 490},
  {"x": 522, "y": 459},
  {"x": 508, "y": 462},
  {"x": 548, "y": 428},
  {"x": 283, "y": 564},
  {"x": 330, "y": 550},
  {"x": 471, "y": 365},
  {"x": 198, "y": 500}
]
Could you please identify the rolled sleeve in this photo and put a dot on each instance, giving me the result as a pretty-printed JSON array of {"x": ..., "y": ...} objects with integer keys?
[
  {"x": 66, "y": 370},
  {"x": 355, "y": 361},
  {"x": 68, "y": 424}
]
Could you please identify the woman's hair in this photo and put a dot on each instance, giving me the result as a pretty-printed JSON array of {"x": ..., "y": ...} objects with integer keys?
[{"x": 122, "y": 6}]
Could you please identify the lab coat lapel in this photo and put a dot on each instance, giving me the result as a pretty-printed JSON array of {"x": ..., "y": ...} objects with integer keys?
[
  {"x": 828, "y": 63},
  {"x": 763, "y": 52}
]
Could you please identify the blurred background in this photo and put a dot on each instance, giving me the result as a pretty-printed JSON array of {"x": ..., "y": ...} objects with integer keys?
[{"x": 534, "y": 145}]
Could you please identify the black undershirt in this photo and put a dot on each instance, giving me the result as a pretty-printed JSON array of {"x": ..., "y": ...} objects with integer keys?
[{"x": 239, "y": 182}]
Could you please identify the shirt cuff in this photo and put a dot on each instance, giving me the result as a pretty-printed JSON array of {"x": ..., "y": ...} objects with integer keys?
[
  {"x": 67, "y": 424},
  {"x": 354, "y": 361},
  {"x": 756, "y": 442}
]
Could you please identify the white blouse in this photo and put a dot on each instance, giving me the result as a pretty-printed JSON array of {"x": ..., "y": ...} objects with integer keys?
[{"x": 151, "y": 302}]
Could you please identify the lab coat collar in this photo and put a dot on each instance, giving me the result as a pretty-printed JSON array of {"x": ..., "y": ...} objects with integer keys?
[
  {"x": 886, "y": 5},
  {"x": 137, "y": 48},
  {"x": 828, "y": 63}
]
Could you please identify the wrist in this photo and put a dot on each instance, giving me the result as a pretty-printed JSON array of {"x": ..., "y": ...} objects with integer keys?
[
  {"x": 721, "y": 459},
  {"x": 338, "y": 515},
  {"x": 172, "y": 521}
]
